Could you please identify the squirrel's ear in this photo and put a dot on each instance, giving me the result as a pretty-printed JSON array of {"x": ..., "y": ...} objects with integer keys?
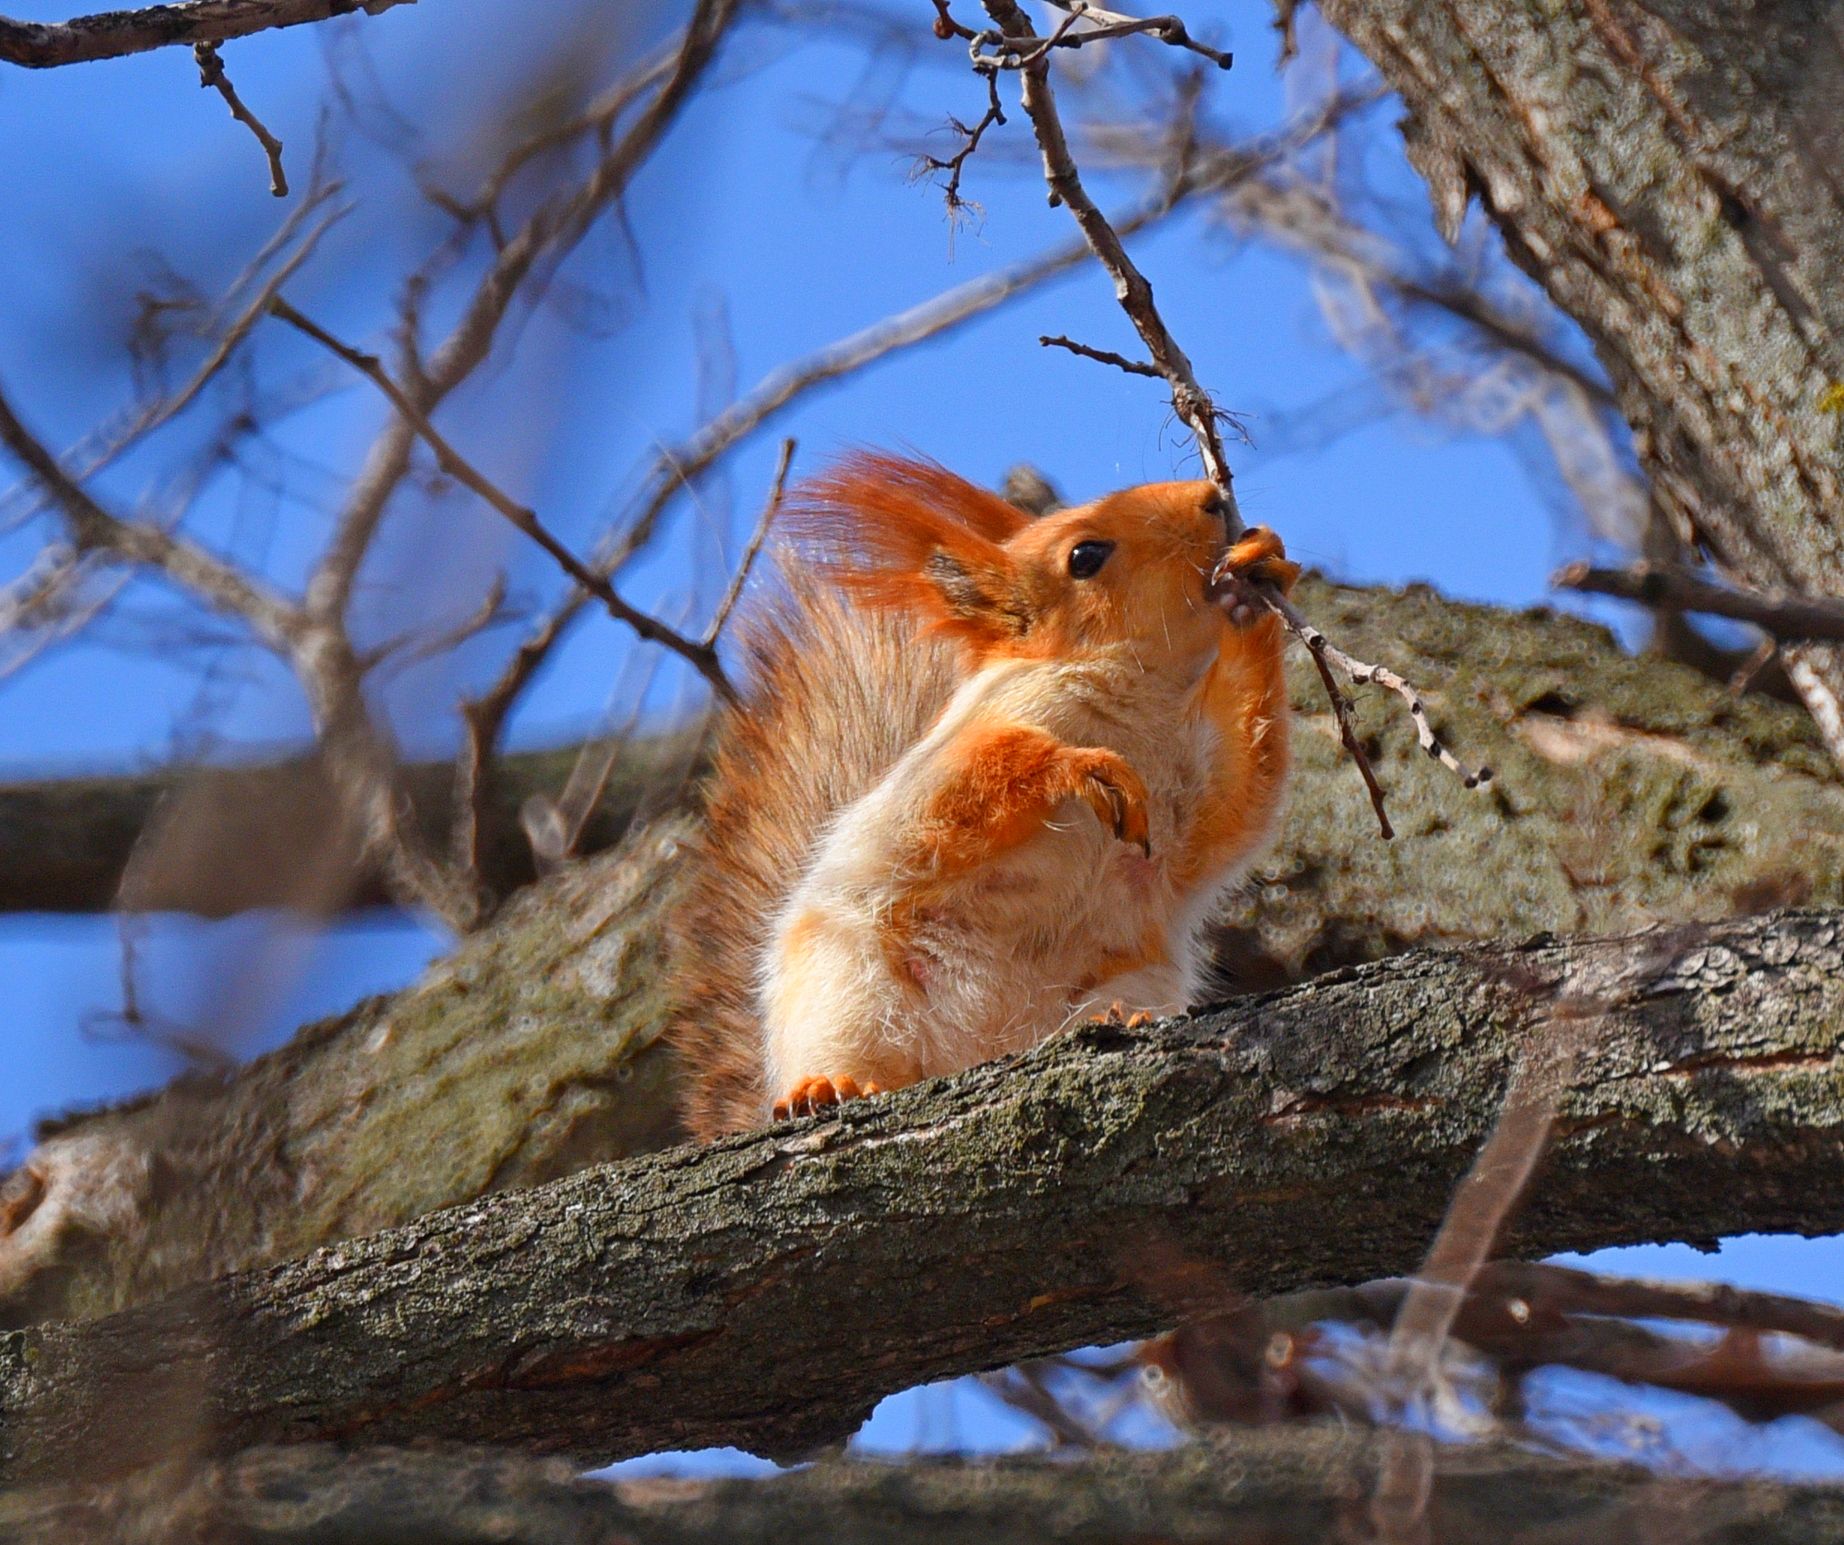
[
  {"x": 975, "y": 596},
  {"x": 912, "y": 535}
]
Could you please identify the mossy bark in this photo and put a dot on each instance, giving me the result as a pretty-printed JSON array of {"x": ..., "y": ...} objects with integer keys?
[
  {"x": 1628, "y": 790},
  {"x": 766, "y": 1290},
  {"x": 1668, "y": 171},
  {"x": 1305, "y": 1484}
]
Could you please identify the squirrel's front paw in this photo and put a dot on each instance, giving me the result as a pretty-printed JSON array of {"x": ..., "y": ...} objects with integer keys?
[
  {"x": 1115, "y": 792},
  {"x": 812, "y": 1095},
  {"x": 1260, "y": 558}
]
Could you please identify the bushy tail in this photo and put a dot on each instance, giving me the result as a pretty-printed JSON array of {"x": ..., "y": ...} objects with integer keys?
[{"x": 835, "y": 693}]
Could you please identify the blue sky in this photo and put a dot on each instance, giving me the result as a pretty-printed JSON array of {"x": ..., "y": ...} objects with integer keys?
[{"x": 747, "y": 213}]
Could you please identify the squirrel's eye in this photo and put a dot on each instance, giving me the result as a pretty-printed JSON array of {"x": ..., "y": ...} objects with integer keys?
[{"x": 1086, "y": 559}]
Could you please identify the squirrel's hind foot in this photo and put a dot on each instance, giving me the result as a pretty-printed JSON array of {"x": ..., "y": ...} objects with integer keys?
[{"x": 809, "y": 1096}]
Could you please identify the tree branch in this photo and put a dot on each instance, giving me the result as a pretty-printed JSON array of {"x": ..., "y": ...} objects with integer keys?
[
  {"x": 1784, "y": 615},
  {"x": 1190, "y": 401},
  {"x": 1280, "y": 1485},
  {"x": 715, "y": 1295},
  {"x": 111, "y": 34}
]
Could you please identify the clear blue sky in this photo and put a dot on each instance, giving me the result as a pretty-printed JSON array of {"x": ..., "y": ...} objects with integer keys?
[{"x": 746, "y": 212}]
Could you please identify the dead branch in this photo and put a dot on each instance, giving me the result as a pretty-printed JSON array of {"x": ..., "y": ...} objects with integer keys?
[
  {"x": 111, "y": 34},
  {"x": 716, "y": 1293},
  {"x": 212, "y": 77},
  {"x": 1786, "y": 616}
]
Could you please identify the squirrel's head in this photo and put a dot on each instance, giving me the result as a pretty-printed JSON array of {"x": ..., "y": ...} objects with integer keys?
[{"x": 1131, "y": 568}]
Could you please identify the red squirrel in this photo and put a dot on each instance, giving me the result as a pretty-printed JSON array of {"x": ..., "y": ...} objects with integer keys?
[{"x": 989, "y": 776}]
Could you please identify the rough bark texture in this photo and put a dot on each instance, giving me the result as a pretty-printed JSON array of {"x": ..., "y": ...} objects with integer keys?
[
  {"x": 1100, "y": 1187},
  {"x": 1627, "y": 789},
  {"x": 111, "y": 34},
  {"x": 66, "y": 843},
  {"x": 1233, "y": 1488},
  {"x": 1672, "y": 173}
]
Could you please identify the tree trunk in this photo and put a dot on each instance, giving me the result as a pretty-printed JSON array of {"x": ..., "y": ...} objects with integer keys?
[{"x": 1672, "y": 173}]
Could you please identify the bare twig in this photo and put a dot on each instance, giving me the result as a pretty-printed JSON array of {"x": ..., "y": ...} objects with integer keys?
[
  {"x": 551, "y": 231},
  {"x": 1107, "y": 25},
  {"x": 1190, "y": 402},
  {"x": 970, "y": 142},
  {"x": 212, "y": 76},
  {"x": 700, "y": 656},
  {"x": 1786, "y": 615},
  {"x": 111, "y": 34},
  {"x": 1105, "y": 356},
  {"x": 220, "y": 585},
  {"x": 756, "y": 538}
]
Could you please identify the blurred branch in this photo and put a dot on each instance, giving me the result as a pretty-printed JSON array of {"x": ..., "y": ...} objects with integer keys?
[
  {"x": 220, "y": 585},
  {"x": 1282, "y": 1486},
  {"x": 65, "y": 842},
  {"x": 1784, "y": 615},
  {"x": 550, "y": 233},
  {"x": 359, "y": 756},
  {"x": 111, "y": 34},
  {"x": 212, "y": 77},
  {"x": 700, "y": 655},
  {"x": 1714, "y": 1061}
]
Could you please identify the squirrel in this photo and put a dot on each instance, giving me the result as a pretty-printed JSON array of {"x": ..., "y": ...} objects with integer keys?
[{"x": 989, "y": 775}]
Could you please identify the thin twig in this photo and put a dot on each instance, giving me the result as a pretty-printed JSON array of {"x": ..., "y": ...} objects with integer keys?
[
  {"x": 1190, "y": 402},
  {"x": 741, "y": 577},
  {"x": 1105, "y": 356},
  {"x": 1787, "y": 615},
  {"x": 970, "y": 142},
  {"x": 211, "y": 75},
  {"x": 551, "y": 231},
  {"x": 700, "y": 656}
]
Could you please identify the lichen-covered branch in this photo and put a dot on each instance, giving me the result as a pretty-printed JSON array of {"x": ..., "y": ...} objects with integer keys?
[
  {"x": 1278, "y": 1486},
  {"x": 1625, "y": 787},
  {"x": 1105, "y": 1185}
]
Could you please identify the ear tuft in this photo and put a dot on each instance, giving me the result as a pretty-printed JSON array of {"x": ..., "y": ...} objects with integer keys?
[{"x": 910, "y": 534}]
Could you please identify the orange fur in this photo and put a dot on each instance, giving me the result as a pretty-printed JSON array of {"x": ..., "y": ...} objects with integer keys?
[{"x": 968, "y": 788}]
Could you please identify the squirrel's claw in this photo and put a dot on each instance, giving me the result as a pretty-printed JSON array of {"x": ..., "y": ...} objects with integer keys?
[
  {"x": 812, "y": 1095},
  {"x": 1117, "y": 1015},
  {"x": 1259, "y": 558},
  {"x": 1116, "y": 794}
]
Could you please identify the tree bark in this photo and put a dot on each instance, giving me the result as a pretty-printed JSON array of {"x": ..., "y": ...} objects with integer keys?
[
  {"x": 766, "y": 1290},
  {"x": 1306, "y": 1484},
  {"x": 111, "y": 34},
  {"x": 1669, "y": 171},
  {"x": 1626, "y": 787},
  {"x": 67, "y": 843}
]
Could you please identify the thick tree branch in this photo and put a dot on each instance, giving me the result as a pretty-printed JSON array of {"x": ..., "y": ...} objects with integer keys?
[
  {"x": 1278, "y": 1486},
  {"x": 1624, "y": 785},
  {"x": 716, "y": 1294},
  {"x": 111, "y": 34}
]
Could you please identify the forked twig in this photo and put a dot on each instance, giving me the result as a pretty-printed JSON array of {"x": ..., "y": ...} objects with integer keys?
[{"x": 701, "y": 656}]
